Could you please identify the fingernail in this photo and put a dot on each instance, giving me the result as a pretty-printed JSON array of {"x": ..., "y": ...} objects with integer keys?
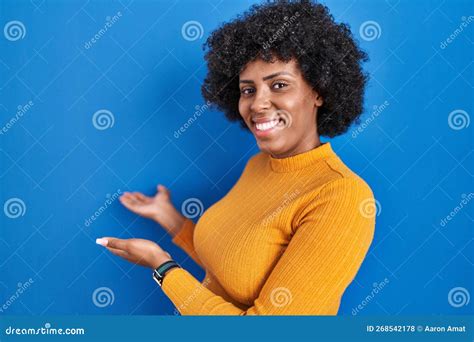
[{"x": 102, "y": 242}]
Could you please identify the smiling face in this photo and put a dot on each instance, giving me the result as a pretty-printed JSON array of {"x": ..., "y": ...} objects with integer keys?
[{"x": 279, "y": 107}]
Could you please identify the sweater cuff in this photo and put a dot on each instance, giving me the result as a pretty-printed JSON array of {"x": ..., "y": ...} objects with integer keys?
[
  {"x": 193, "y": 298},
  {"x": 185, "y": 291}
]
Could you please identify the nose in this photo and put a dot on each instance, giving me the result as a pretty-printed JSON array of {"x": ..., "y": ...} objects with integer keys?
[{"x": 261, "y": 101}]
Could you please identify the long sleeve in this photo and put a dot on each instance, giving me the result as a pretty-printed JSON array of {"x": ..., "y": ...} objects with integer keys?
[
  {"x": 184, "y": 240},
  {"x": 322, "y": 258}
]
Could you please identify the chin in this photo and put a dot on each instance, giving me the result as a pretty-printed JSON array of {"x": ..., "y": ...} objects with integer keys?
[{"x": 274, "y": 148}]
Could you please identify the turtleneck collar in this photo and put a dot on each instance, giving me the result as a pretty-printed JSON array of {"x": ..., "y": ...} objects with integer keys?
[{"x": 302, "y": 160}]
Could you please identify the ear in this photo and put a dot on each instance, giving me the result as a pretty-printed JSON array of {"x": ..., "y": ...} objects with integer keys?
[{"x": 318, "y": 100}]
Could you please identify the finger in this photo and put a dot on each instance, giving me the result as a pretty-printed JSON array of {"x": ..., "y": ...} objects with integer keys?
[
  {"x": 131, "y": 199},
  {"x": 163, "y": 189},
  {"x": 113, "y": 243},
  {"x": 140, "y": 196},
  {"x": 118, "y": 252},
  {"x": 133, "y": 196},
  {"x": 126, "y": 196},
  {"x": 128, "y": 203}
]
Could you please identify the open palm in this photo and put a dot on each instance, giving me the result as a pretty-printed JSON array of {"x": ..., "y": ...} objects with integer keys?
[
  {"x": 149, "y": 207},
  {"x": 158, "y": 207}
]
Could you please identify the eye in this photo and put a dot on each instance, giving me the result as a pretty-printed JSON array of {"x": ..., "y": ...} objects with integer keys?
[
  {"x": 279, "y": 85},
  {"x": 247, "y": 91}
]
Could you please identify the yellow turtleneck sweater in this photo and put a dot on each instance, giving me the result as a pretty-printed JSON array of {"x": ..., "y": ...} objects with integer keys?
[{"x": 287, "y": 239}]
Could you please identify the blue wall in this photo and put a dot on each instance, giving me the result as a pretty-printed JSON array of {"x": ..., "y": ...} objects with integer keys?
[{"x": 58, "y": 167}]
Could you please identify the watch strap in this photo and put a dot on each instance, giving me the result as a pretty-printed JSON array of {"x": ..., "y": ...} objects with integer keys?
[{"x": 160, "y": 271}]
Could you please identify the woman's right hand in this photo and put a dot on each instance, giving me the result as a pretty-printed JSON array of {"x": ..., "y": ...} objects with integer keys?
[{"x": 158, "y": 208}]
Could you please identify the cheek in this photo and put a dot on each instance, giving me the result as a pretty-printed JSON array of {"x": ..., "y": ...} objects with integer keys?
[
  {"x": 293, "y": 106},
  {"x": 301, "y": 111},
  {"x": 243, "y": 108},
  {"x": 287, "y": 103}
]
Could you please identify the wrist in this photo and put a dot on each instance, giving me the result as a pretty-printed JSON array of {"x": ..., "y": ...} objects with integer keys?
[
  {"x": 171, "y": 220},
  {"x": 159, "y": 274},
  {"x": 159, "y": 260},
  {"x": 175, "y": 222},
  {"x": 178, "y": 223}
]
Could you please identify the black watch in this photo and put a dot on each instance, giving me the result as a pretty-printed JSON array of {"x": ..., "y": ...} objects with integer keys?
[{"x": 160, "y": 271}]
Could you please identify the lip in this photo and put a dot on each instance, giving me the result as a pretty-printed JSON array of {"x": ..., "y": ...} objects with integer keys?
[{"x": 263, "y": 119}]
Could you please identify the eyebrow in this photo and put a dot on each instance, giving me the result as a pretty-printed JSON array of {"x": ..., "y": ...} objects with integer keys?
[{"x": 269, "y": 76}]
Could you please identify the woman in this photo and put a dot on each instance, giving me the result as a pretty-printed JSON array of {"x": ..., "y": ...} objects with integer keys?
[{"x": 292, "y": 233}]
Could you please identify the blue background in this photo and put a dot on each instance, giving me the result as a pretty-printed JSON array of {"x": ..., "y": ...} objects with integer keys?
[{"x": 149, "y": 77}]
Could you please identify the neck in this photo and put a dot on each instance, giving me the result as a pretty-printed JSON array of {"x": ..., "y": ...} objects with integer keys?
[{"x": 304, "y": 146}]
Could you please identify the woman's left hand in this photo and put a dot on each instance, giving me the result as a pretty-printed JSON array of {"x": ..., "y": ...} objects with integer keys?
[{"x": 138, "y": 251}]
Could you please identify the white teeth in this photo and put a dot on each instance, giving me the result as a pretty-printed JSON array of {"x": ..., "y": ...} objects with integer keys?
[{"x": 265, "y": 126}]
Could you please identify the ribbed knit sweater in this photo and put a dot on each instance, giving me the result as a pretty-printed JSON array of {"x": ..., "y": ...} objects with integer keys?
[{"x": 287, "y": 239}]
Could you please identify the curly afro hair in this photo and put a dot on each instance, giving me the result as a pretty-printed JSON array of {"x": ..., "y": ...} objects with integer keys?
[{"x": 326, "y": 53}]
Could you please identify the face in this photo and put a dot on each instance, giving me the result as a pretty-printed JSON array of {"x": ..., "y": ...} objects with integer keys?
[{"x": 279, "y": 107}]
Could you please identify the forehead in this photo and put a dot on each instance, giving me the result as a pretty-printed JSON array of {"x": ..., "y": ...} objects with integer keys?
[{"x": 260, "y": 68}]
